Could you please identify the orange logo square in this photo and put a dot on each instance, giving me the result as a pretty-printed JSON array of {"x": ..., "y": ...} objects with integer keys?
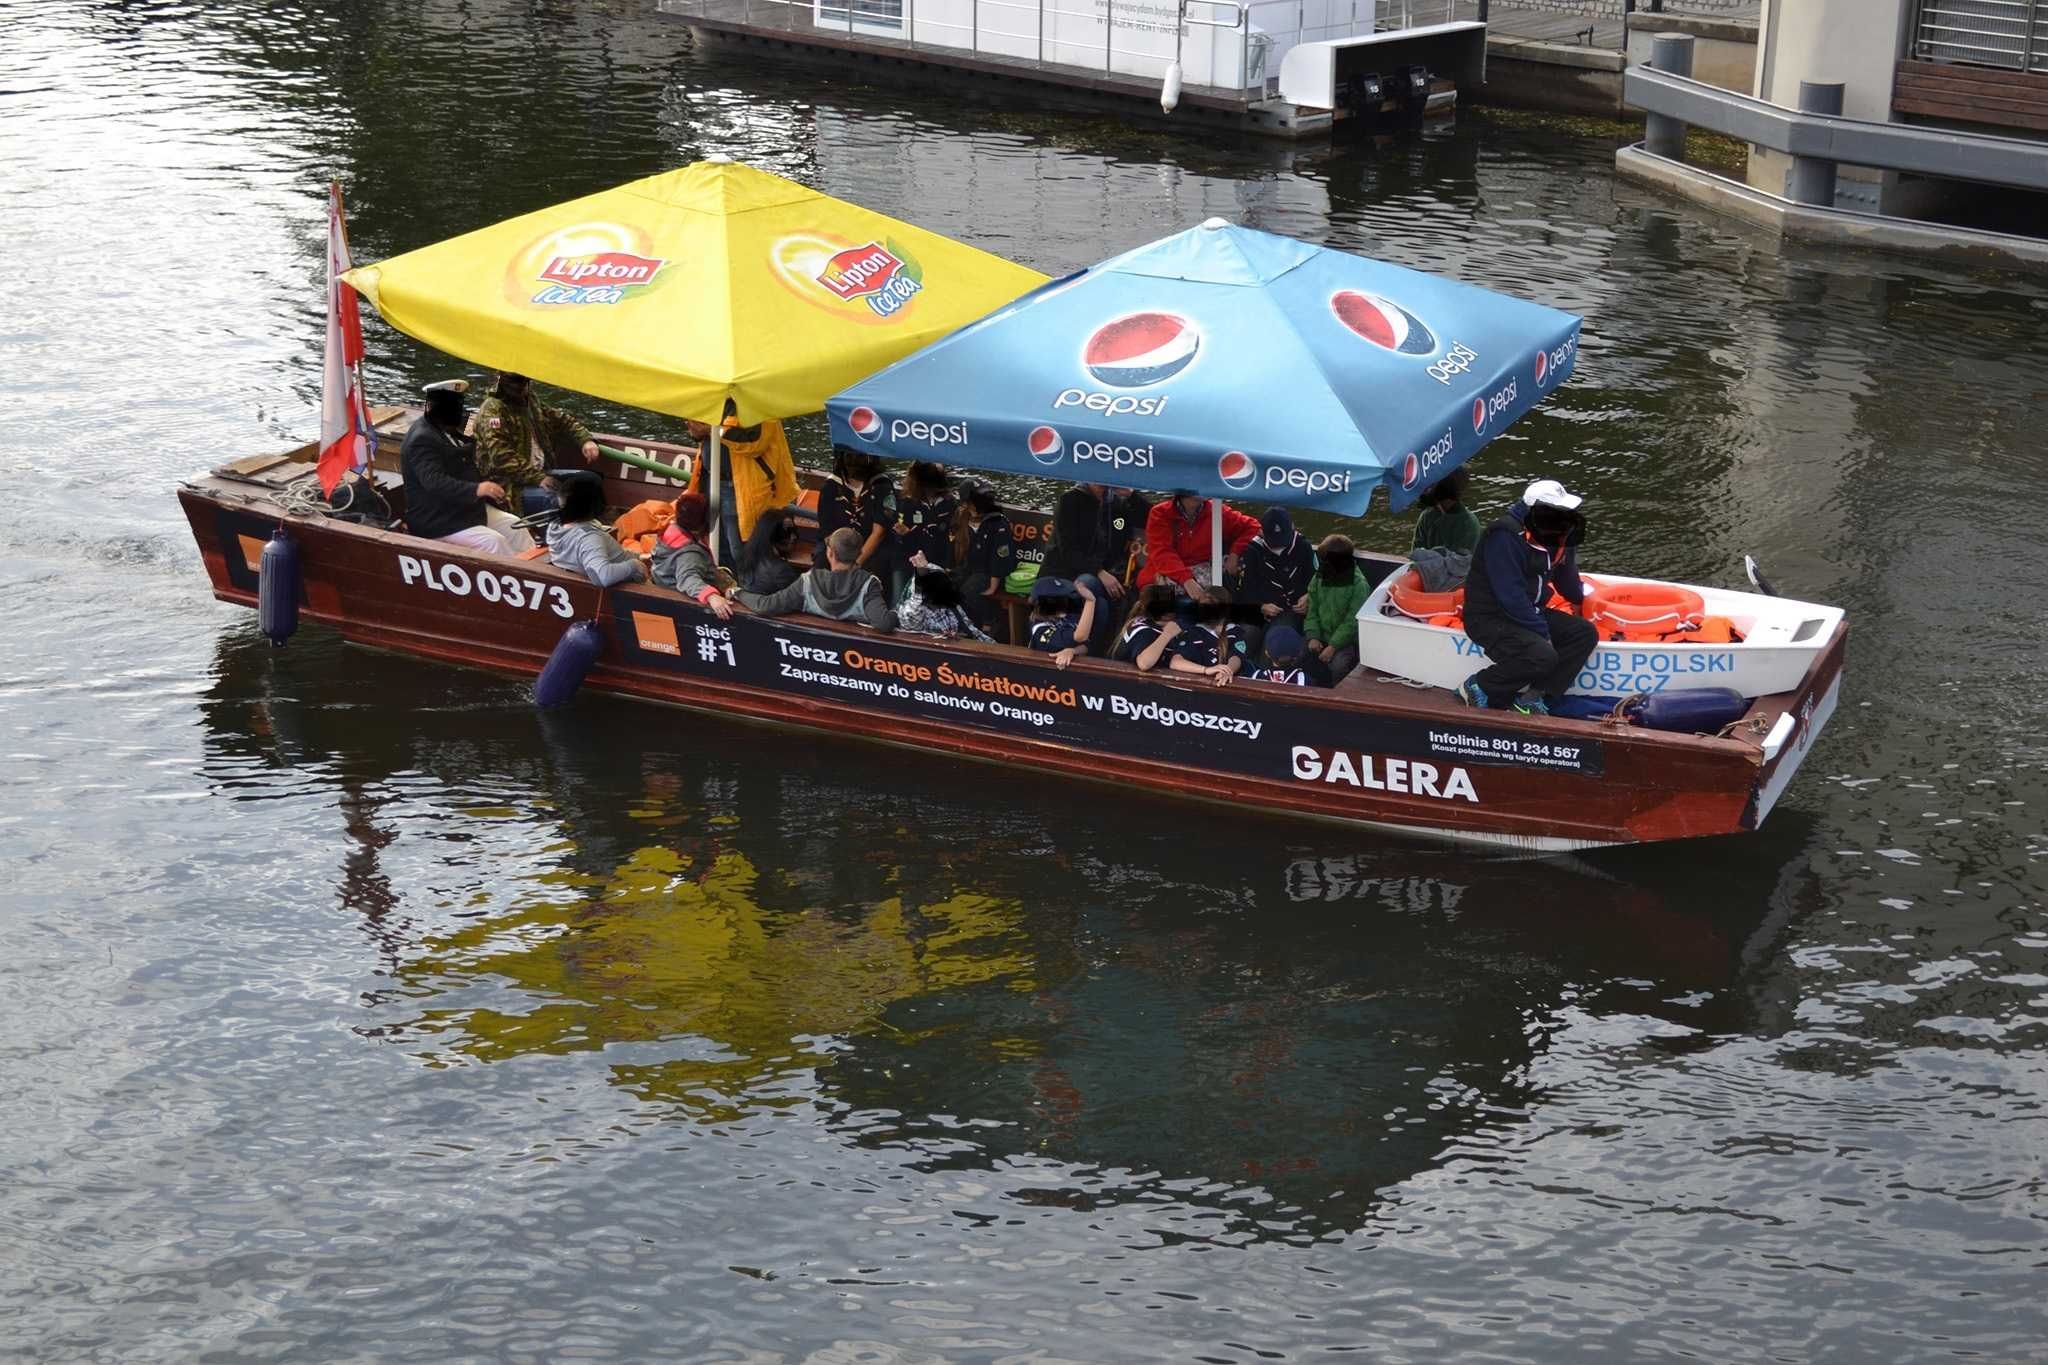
[{"x": 657, "y": 634}]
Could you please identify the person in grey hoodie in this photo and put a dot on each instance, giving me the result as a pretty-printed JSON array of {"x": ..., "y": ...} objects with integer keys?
[
  {"x": 682, "y": 560},
  {"x": 840, "y": 590},
  {"x": 580, "y": 541}
]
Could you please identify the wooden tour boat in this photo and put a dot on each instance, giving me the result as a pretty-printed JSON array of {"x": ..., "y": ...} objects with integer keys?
[
  {"x": 718, "y": 288},
  {"x": 1373, "y": 751}
]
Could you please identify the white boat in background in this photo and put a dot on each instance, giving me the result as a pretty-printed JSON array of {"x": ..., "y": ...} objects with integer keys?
[{"x": 1781, "y": 638}]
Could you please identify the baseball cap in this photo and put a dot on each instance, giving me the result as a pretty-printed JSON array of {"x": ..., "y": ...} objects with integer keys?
[
  {"x": 1048, "y": 586},
  {"x": 1549, "y": 493},
  {"x": 1276, "y": 525},
  {"x": 1284, "y": 642}
]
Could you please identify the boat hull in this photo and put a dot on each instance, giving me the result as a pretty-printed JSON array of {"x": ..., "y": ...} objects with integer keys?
[{"x": 1384, "y": 757}]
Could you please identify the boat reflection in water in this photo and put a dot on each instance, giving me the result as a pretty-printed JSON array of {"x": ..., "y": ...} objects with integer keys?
[{"x": 1263, "y": 1035}]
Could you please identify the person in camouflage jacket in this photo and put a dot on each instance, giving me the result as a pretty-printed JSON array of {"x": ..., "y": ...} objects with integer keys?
[{"x": 505, "y": 445}]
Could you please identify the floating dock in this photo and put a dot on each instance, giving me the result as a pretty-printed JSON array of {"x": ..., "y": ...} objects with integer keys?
[{"x": 1215, "y": 63}]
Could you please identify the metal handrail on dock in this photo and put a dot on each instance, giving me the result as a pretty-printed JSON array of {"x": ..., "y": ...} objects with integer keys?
[{"x": 1816, "y": 135}]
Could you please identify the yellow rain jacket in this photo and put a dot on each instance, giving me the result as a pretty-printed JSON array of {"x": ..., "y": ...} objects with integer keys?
[{"x": 763, "y": 474}]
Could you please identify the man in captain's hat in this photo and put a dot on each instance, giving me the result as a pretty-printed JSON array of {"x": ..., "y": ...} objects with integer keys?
[{"x": 519, "y": 438}]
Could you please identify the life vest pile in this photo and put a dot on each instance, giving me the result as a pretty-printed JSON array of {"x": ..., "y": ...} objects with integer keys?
[{"x": 637, "y": 528}]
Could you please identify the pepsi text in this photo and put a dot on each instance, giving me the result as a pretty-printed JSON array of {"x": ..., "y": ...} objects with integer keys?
[
  {"x": 1456, "y": 361},
  {"x": 1112, "y": 405}
]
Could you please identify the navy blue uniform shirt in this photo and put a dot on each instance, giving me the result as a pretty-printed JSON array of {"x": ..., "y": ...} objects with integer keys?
[
  {"x": 1294, "y": 675},
  {"x": 1198, "y": 645},
  {"x": 1052, "y": 636},
  {"x": 990, "y": 549}
]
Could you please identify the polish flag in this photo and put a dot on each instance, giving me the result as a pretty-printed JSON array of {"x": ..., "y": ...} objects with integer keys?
[{"x": 345, "y": 434}]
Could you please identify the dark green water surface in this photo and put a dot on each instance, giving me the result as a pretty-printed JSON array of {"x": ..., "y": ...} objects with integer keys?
[{"x": 351, "y": 1011}]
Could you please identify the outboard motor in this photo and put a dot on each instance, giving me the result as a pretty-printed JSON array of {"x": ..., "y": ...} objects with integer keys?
[
  {"x": 1362, "y": 96},
  {"x": 1411, "y": 92},
  {"x": 277, "y": 588}
]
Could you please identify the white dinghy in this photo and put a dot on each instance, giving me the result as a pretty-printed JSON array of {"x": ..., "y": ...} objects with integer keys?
[{"x": 1780, "y": 638}]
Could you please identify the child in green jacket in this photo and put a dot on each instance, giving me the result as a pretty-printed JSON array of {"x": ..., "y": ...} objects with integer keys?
[
  {"x": 1335, "y": 594},
  {"x": 1446, "y": 523}
]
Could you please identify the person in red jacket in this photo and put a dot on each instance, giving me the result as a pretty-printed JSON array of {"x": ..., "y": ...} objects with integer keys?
[{"x": 1177, "y": 543}]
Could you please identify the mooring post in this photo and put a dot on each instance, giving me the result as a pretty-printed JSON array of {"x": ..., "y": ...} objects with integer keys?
[
  {"x": 1664, "y": 135},
  {"x": 1813, "y": 177}
]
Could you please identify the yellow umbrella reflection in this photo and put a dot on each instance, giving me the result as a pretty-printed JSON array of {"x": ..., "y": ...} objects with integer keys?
[{"x": 662, "y": 950}]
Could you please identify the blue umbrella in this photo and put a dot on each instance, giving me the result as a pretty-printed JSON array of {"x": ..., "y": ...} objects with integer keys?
[{"x": 1229, "y": 362}]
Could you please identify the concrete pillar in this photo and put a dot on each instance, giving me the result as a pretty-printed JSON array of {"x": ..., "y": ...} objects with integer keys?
[
  {"x": 1813, "y": 178},
  {"x": 1663, "y": 135}
]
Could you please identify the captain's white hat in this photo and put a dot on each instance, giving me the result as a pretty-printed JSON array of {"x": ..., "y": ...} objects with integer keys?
[{"x": 1549, "y": 493}]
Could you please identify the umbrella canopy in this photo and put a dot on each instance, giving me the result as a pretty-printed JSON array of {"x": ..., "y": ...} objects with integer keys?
[
  {"x": 1227, "y": 361},
  {"x": 679, "y": 291}
]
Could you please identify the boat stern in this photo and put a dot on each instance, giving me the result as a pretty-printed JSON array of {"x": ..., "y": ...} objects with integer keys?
[{"x": 1795, "y": 727}]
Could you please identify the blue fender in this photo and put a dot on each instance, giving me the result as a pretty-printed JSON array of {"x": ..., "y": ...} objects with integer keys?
[
  {"x": 1697, "y": 710},
  {"x": 575, "y": 654},
  {"x": 278, "y": 585}
]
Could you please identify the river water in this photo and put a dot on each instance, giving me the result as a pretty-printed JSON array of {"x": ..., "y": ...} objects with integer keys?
[{"x": 352, "y": 1011}]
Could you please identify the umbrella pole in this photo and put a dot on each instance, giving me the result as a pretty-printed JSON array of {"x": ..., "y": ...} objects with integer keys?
[
  {"x": 1215, "y": 542},
  {"x": 711, "y": 488}
]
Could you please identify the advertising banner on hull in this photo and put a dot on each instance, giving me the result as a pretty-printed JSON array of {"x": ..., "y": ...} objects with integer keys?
[{"x": 1213, "y": 729}]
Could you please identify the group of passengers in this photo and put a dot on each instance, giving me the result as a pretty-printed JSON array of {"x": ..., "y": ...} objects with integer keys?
[{"x": 1121, "y": 579}]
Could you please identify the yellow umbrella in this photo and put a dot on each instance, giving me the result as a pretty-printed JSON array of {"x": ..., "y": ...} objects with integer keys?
[{"x": 677, "y": 292}]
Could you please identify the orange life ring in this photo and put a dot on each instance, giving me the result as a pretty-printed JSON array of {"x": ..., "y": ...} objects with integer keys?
[
  {"x": 1658, "y": 607},
  {"x": 1409, "y": 599}
]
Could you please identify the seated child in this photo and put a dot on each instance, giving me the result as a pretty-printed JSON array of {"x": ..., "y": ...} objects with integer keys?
[
  {"x": 1148, "y": 636},
  {"x": 1281, "y": 661},
  {"x": 1211, "y": 645},
  {"x": 1062, "y": 614},
  {"x": 933, "y": 606}
]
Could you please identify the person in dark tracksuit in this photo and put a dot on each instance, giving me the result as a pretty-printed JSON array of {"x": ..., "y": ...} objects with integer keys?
[
  {"x": 987, "y": 558},
  {"x": 1535, "y": 652},
  {"x": 928, "y": 509},
  {"x": 1277, "y": 568}
]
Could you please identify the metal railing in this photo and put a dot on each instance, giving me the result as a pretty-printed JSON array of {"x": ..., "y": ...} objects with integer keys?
[
  {"x": 2012, "y": 34},
  {"x": 1815, "y": 135}
]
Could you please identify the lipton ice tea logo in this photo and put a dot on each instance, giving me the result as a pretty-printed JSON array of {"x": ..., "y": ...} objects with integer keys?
[
  {"x": 587, "y": 263},
  {"x": 868, "y": 281}
]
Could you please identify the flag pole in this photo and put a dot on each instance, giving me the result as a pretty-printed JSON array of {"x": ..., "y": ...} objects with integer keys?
[{"x": 359, "y": 415}]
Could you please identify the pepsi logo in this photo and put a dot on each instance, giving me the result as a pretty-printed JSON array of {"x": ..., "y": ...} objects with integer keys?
[
  {"x": 1383, "y": 322},
  {"x": 866, "y": 423},
  {"x": 1237, "y": 470},
  {"x": 1045, "y": 445},
  {"x": 1542, "y": 365},
  {"x": 1478, "y": 414},
  {"x": 1140, "y": 349},
  {"x": 1411, "y": 470}
]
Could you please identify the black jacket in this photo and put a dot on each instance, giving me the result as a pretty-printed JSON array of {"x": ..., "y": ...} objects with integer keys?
[
  {"x": 991, "y": 553},
  {"x": 440, "y": 481},
  {"x": 1511, "y": 578},
  {"x": 1123, "y": 521},
  {"x": 1280, "y": 577}
]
